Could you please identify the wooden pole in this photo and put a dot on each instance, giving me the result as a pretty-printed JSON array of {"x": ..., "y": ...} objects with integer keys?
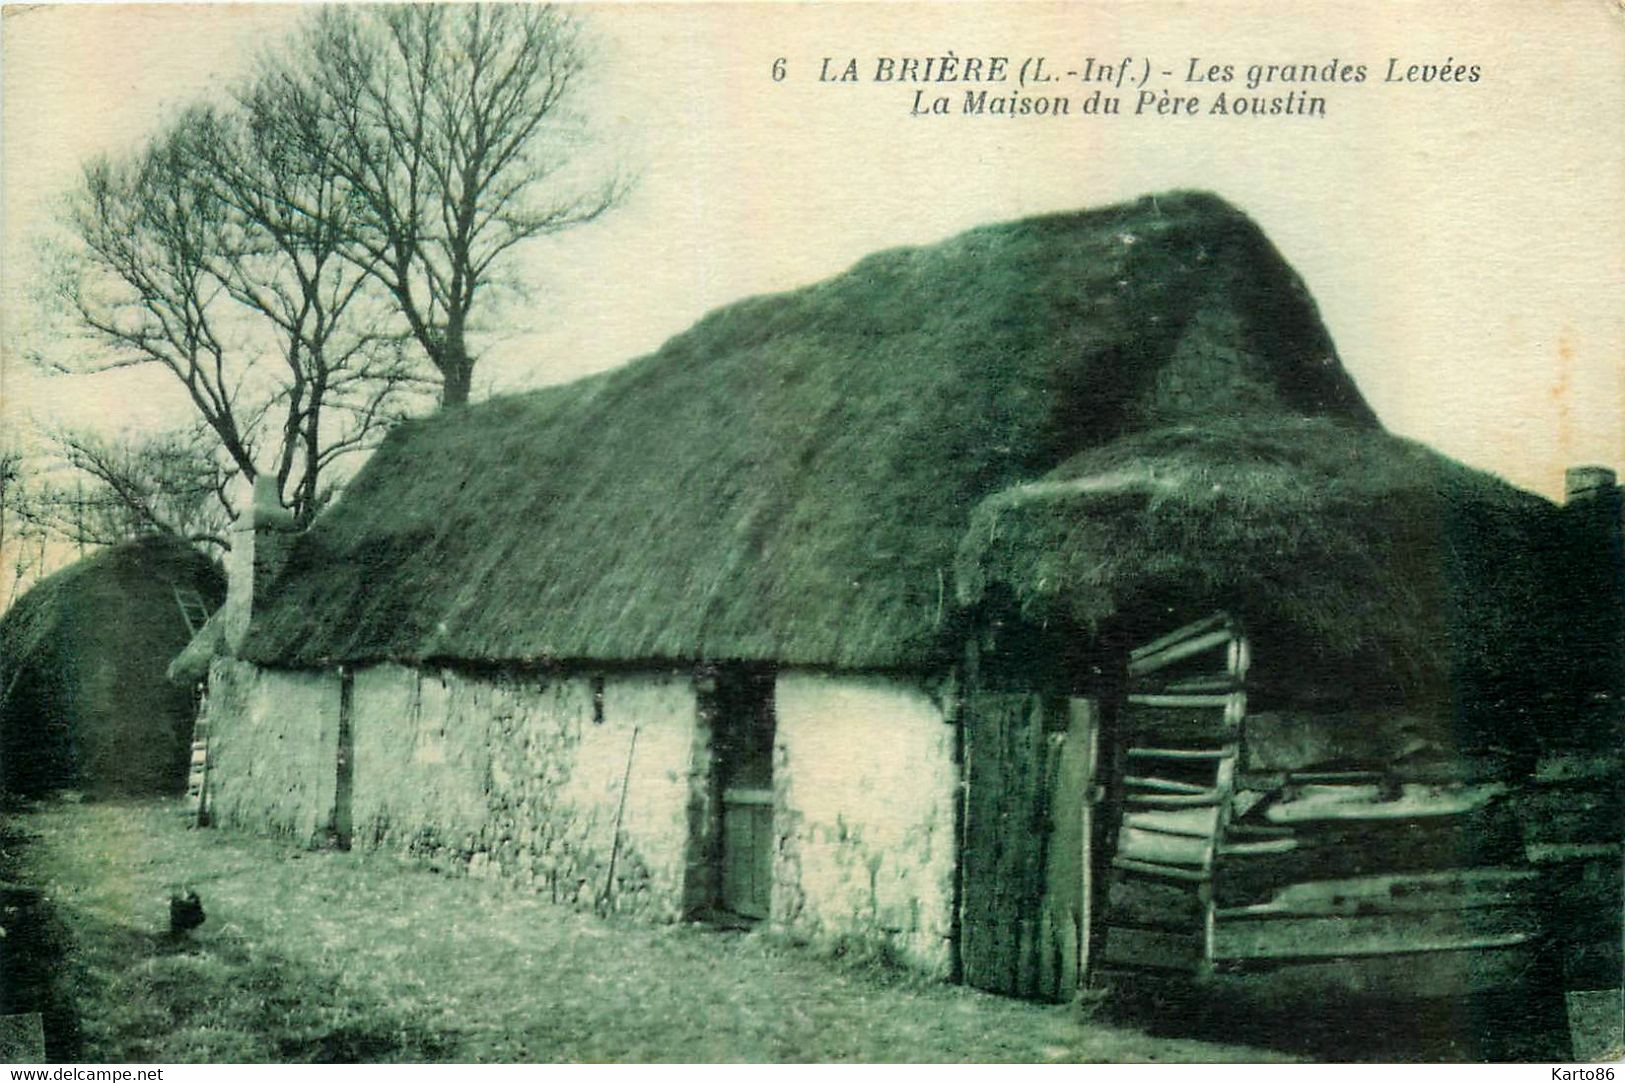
[
  {"x": 620, "y": 813},
  {"x": 1091, "y": 745}
]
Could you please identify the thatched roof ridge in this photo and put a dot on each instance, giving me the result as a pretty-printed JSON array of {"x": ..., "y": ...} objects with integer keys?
[
  {"x": 789, "y": 479},
  {"x": 1363, "y": 557}
]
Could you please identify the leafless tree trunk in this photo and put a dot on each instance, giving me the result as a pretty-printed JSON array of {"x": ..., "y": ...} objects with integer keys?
[
  {"x": 451, "y": 128},
  {"x": 213, "y": 255}
]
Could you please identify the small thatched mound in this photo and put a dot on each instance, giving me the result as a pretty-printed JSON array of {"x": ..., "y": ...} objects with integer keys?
[
  {"x": 82, "y": 659},
  {"x": 789, "y": 480},
  {"x": 1360, "y": 561}
]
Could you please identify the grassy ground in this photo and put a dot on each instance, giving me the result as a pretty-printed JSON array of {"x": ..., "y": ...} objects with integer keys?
[{"x": 317, "y": 956}]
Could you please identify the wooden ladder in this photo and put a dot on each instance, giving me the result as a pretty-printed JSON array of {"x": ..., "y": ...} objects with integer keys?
[
  {"x": 195, "y": 612},
  {"x": 1180, "y": 730},
  {"x": 197, "y": 773}
]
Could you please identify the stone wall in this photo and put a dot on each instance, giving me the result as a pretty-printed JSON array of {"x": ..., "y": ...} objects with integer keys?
[
  {"x": 522, "y": 776},
  {"x": 865, "y": 785},
  {"x": 273, "y": 749}
]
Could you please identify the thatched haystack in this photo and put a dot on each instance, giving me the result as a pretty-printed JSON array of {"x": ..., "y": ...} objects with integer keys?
[
  {"x": 788, "y": 481},
  {"x": 82, "y": 659}
]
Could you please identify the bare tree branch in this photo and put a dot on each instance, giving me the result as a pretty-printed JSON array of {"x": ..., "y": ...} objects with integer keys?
[
  {"x": 214, "y": 254},
  {"x": 450, "y": 128},
  {"x": 116, "y": 489}
]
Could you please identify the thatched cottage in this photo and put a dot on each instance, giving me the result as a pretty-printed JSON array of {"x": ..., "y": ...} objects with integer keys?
[
  {"x": 848, "y": 610},
  {"x": 84, "y": 702}
]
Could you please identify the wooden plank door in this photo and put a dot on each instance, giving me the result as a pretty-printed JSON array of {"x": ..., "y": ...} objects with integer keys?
[
  {"x": 1066, "y": 911},
  {"x": 344, "y": 784},
  {"x": 747, "y": 851},
  {"x": 1004, "y": 829},
  {"x": 1026, "y": 904},
  {"x": 745, "y": 775}
]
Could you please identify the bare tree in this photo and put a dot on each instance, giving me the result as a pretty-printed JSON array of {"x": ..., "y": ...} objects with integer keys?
[
  {"x": 346, "y": 378},
  {"x": 306, "y": 263},
  {"x": 139, "y": 280},
  {"x": 15, "y": 549},
  {"x": 90, "y": 491},
  {"x": 212, "y": 254},
  {"x": 25, "y": 545},
  {"x": 115, "y": 489},
  {"x": 451, "y": 126},
  {"x": 11, "y": 491}
]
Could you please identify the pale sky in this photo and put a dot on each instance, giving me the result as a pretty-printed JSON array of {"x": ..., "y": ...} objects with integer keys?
[{"x": 1465, "y": 243}]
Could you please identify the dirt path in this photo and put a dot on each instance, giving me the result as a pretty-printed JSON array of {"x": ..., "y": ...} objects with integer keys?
[{"x": 310, "y": 956}]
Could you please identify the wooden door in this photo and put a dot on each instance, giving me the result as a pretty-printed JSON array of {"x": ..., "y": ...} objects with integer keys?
[
  {"x": 747, "y": 846},
  {"x": 1066, "y": 914},
  {"x": 745, "y": 776},
  {"x": 344, "y": 785},
  {"x": 1028, "y": 845}
]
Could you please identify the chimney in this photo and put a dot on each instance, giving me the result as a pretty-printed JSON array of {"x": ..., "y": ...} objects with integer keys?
[
  {"x": 1594, "y": 552},
  {"x": 261, "y": 539},
  {"x": 1595, "y": 507},
  {"x": 1582, "y": 483}
]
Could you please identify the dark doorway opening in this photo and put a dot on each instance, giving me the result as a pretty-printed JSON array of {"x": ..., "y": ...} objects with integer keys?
[
  {"x": 743, "y": 749},
  {"x": 345, "y": 784}
]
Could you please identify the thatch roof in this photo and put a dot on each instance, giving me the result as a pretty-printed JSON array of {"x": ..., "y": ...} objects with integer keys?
[
  {"x": 790, "y": 480},
  {"x": 1359, "y": 559},
  {"x": 82, "y": 658},
  {"x": 191, "y": 665}
]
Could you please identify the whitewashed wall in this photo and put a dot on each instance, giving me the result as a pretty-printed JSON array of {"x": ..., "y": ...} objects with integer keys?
[
  {"x": 512, "y": 776},
  {"x": 516, "y": 776},
  {"x": 865, "y": 785},
  {"x": 273, "y": 749},
  {"x": 498, "y": 775}
]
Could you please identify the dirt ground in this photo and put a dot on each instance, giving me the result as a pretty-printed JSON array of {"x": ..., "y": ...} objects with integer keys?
[{"x": 341, "y": 957}]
